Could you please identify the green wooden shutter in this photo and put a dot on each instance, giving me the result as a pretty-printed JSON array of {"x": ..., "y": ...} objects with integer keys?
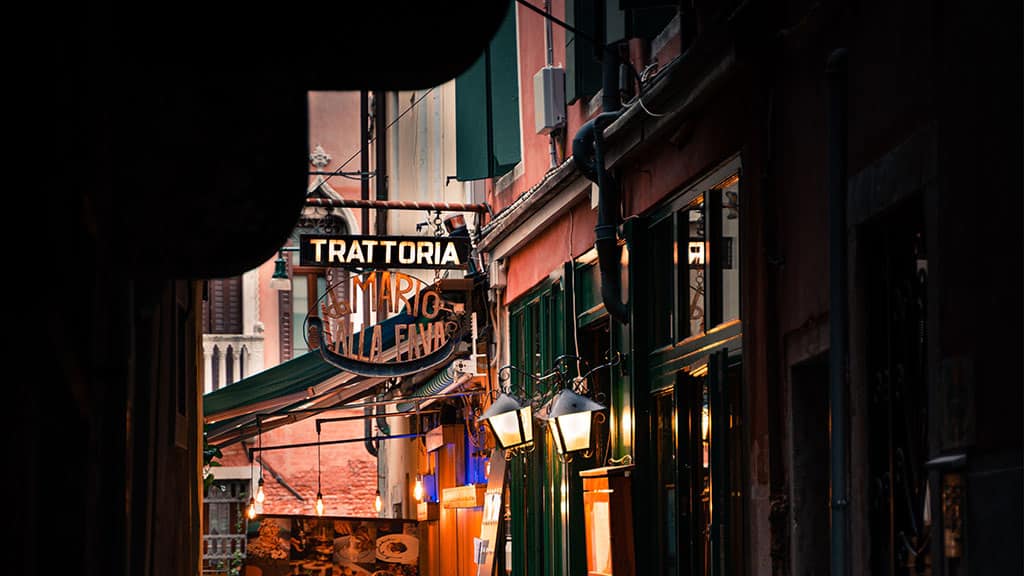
[
  {"x": 472, "y": 129},
  {"x": 582, "y": 68},
  {"x": 487, "y": 108},
  {"x": 504, "y": 78}
]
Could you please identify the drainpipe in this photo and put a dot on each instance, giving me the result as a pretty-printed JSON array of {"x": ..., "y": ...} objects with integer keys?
[
  {"x": 835, "y": 75},
  {"x": 368, "y": 432},
  {"x": 382, "y": 425},
  {"x": 588, "y": 153}
]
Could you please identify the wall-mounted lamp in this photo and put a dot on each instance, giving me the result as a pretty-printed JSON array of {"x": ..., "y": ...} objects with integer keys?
[
  {"x": 569, "y": 417},
  {"x": 558, "y": 400},
  {"x": 280, "y": 279},
  {"x": 510, "y": 421}
]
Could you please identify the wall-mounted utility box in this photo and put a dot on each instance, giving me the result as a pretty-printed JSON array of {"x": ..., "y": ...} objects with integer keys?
[{"x": 549, "y": 99}]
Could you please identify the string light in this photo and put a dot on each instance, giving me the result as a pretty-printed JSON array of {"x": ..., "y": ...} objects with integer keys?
[
  {"x": 251, "y": 511},
  {"x": 417, "y": 491},
  {"x": 319, "y": 495},
  {"x": 260, "y": 496}
]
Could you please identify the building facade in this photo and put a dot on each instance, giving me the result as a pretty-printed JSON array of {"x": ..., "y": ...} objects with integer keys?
[{"x": 740, "y": 172}]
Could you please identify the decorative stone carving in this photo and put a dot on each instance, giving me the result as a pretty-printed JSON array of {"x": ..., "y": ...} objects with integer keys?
[{"x": 319, "y": 158}]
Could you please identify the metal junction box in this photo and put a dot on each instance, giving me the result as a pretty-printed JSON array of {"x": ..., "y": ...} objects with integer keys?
[{"x": 549, "y": 99}]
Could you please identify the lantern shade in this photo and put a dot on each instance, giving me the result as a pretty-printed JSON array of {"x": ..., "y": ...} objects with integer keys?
[
  {"x": 569, "y": 417},
  {"x": 510, "y": 421},
  {"x": 280, "y": 279}
]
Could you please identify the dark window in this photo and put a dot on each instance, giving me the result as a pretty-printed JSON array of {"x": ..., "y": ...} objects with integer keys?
[
  {"x": 229, "y": 365},
  {"x": 215, "y": 366},
  {"x": 243, "y": 359},
  {"x": 222, "y": 310}
]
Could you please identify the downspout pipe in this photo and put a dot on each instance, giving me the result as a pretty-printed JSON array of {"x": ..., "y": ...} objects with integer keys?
[
  {"x": 588, "y": 154},
  {"x": 836, "y": 78},
  {"x": 371, "y": 446},
  {"x": 382, "y": 426}
]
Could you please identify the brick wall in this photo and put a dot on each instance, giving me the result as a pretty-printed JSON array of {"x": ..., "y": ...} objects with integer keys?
[{"x": 348, "y": 471}]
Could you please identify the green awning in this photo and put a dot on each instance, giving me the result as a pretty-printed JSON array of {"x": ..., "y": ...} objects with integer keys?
[{"x": 296, "y": 375}]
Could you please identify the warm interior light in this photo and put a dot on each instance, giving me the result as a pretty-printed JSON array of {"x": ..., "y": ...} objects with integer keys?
[
  {"x": 705, "y": 423},
  {"x": 417, "y": 491},
  {"x": 260, "y": 496},
  {"x": 510, "y": 421},
  {"x": 280, "y": 279},
  {"x": 569, "y": 417},
  {"x": 252, "y": 509},
  {"x": 377, "y": 504},
  {"x": 571, "y": 432},
  {"x": 319, "y": 504}
]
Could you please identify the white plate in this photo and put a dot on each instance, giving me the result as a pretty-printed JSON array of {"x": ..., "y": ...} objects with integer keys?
[{"x": 400, "y": 548}]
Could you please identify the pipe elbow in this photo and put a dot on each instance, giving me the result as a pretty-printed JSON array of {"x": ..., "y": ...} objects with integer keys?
[{"x": 583, "y": 153}]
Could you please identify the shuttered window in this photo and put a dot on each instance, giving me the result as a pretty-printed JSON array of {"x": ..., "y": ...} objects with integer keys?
[
  {"x": 582, "y": 67},
  {"x": 609, "y": 22},
  {"x": 487, "y": 108},
  {"x": 222, "y": 310}
]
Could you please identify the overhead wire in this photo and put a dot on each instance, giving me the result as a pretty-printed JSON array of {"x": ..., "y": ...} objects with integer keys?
[{"x": 339, "y": 172}]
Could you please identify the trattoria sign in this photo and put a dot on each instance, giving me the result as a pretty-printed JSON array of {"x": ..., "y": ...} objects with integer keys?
[
  {"x": 424, "y": 333},
  {"x": 383, "y": 251}
]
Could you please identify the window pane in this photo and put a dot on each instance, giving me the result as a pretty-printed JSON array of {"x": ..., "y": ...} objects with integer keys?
[
  {"x": 665, "y": 433},
  {"x": 731, "y": 250},
  {"x": 693, "y": 278},
  {"x": 300, "y": 306},
  {"x": 663, "y": 257}
]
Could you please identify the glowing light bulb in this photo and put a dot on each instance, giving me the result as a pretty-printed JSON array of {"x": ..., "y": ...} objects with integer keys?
[
  {"x": 319, "y": 504},
  {"x": 487, "y": 469},
  {"x": 377, "y": 504},
  {"x": 260, "y": 496},
  {"x": 252, "y": 509},
  {"x": 417, "y": 491}
]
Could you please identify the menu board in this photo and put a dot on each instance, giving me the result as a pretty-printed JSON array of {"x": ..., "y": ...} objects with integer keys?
[
  {"x": 281, "y": 545},
  {"x": 490, "y": 525}
]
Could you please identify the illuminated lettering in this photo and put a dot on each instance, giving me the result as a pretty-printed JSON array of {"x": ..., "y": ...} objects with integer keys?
[
  {"x": 388, "y": 245},
  {"x": 355, "y": 252},
  {"x": 451, "y": 256},
  {"x": 431, "y": 304},
  {"x": 318, "y": 244},
  {"x": 377, "y": 344},
  {"x": 336, "y": 251},
  {"x": 369, "y": 252},
  {"x": 424, "y": 253},
  {"x": 406, "y": 252}
]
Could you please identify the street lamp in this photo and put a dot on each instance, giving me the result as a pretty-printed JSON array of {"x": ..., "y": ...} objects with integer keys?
[
  {"x": 563, "y": 406},
  {"x": 569, "y": 417},
  {"x": 280, "y": 279},
  {"x": 510, "y": 421}
]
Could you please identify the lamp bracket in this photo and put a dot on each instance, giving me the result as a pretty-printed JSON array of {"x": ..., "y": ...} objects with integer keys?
[{"x": 567, "y": 371}]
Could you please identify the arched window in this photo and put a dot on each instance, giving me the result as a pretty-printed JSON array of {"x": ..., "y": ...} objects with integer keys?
[
  {"x": 229, "y": 366},
  {"x": 215, "y": 367},
  {"x": 243, "y": 359}
]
